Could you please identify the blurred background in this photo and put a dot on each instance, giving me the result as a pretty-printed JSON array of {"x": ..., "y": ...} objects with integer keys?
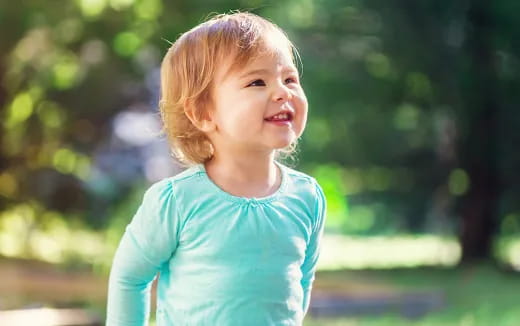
[{"x": 412, "y": 132}]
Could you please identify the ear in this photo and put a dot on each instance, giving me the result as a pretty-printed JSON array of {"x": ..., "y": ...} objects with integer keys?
[{"x": 204, "y": 121}]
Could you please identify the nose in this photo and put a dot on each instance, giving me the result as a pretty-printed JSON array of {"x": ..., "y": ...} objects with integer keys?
[{"x": 281, "y": 93}]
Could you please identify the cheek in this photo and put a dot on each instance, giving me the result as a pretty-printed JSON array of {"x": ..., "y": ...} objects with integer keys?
[
  {"x": 301, "y": 112},
  {"x": 302, "y": 105}
]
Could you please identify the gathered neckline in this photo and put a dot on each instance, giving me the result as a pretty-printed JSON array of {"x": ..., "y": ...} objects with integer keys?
[{"x": 246, "y": 200}]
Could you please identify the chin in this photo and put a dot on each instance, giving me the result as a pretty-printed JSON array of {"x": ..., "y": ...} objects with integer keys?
[
  {"x": 282, "y": 144},
  {"x": 282, "y": 141}
]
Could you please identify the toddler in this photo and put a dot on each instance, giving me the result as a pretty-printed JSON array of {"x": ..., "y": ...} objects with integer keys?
[{"x": 235, "y": 237}]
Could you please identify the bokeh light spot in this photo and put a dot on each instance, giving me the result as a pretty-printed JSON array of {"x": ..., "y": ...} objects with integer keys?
[
  {"x": 126, "y": 43},
  {"x": 64, "y": 160},
  {"x": 406, "y": 117},
  {"x": 458, "y": 182},
  {"x": 8, "y": 185},
  {"x": 378, "y": 64},
  {"x": 92, "y": 8},
  {"x": 20, "y": 110},
  {"x": 148, "y": 9},
  {"x": 65, "y": 72}
]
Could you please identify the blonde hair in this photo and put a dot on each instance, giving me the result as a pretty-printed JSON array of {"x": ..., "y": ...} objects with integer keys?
[{"x": 189, "y": 67}]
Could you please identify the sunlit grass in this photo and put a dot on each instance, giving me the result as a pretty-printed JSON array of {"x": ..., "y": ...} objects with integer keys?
[
  {"x": 474, "y": 295},
  {"x": 466, "y": 319},
  {"x": 28, "y": 231},
  {"x": 339, "y": 251},
  {"x": 478, "y": 295}
]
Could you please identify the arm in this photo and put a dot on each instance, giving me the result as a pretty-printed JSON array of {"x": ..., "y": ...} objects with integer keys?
[
  {"x": 313, "y": 248},
  {"x": 148, "y": 242}
]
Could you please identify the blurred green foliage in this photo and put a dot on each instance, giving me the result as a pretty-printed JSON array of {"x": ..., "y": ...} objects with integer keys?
[{"x": 412, "y": 116}]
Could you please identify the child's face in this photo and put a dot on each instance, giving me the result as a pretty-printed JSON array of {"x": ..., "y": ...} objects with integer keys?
[{"x": 244, "y": 98}]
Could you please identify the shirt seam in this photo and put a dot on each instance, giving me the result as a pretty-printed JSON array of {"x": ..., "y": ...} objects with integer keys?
[
  {"x": 178, "y": 208},
  {"x": 316, "y": 206}
]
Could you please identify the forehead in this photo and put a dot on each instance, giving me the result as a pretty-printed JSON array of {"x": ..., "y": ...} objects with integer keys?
[{"x": 266, "y": 58}]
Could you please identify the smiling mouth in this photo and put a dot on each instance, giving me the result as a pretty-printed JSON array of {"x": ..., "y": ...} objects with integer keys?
[{"x": 281, "y": 117}]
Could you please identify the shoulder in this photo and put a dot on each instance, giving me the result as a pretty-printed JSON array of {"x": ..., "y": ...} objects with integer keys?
[
  {"x": 170, "y": 184},
  {"x": 186, "y": 176},
  {"x": 164, "y": 199},
  {"x": 298, "y": 177},
  {"x": 303, "y": 181},
  {"x": 308, "y": 188},
  {"x": 295, "y": 173},
  {"x": 310, "y": 194}
]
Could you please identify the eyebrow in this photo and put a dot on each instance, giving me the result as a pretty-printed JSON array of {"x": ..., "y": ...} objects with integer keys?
[
  {"x": 264, "y": 72},
  {"x": 255, "y": 72}
]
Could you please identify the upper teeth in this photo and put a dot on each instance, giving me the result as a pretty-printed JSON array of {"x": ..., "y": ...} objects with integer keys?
[{"x": 281, "y": 116}]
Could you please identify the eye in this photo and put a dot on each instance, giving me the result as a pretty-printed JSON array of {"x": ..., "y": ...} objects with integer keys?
[
  {"x": 258, "y": 82},
  {"x": 291, "y": 80}
]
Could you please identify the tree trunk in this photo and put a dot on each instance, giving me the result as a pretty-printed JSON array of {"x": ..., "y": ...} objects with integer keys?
[{"x": 478, "y": 154}]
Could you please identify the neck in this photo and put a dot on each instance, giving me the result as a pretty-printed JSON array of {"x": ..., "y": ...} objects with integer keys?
[{"x": 245, "y": 175}]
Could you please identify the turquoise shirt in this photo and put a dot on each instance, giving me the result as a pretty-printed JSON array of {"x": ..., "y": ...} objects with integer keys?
[{"x": 222, "y": 260}]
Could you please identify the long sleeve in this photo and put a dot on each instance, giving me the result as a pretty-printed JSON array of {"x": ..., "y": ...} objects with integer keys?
[
  {"x": 313, "y": 247},
  {"x": 148, "y": 242}
]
